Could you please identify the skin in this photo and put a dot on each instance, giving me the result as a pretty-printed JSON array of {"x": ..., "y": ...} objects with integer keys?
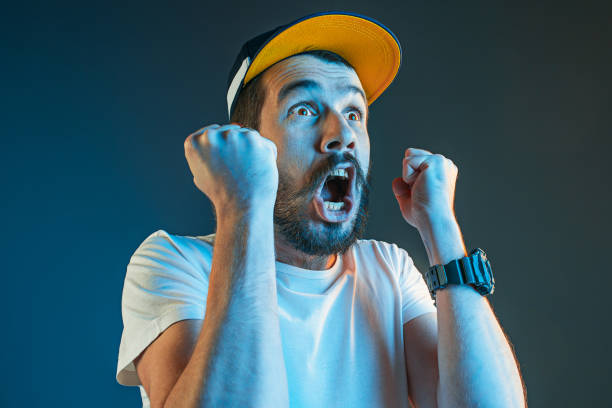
[{"x": 325, "y": 123}]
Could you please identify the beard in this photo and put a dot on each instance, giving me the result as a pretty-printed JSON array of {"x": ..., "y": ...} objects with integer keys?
[{"x": 293, "y": 223}]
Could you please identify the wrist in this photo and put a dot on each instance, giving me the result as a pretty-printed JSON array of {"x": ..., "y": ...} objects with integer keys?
[
  {"x": 442, "y": 240},
  {"x": 254, "y": 209}
]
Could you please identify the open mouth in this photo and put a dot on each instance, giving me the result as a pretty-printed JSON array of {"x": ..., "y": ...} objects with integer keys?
[{"x": 334, "y": 200}]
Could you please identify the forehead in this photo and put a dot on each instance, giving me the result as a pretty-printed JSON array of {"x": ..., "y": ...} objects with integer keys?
[{"x": 330, "y": 75}]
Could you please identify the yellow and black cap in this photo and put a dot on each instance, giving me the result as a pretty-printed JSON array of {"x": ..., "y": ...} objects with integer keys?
[{"x": 370, "y": 47}]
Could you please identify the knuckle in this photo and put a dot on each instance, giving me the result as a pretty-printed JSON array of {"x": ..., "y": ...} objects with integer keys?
[
  {"x": 440, "y": 159},
  {"x": 245, "y": 130},
  {"x": 205, "y": 131},
  {"x": 213, "y": 129},
  {"x": 190, "y": 142},
  {"x": 251, "y": 133}
]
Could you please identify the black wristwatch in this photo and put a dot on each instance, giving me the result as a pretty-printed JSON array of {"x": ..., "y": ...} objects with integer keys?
[{"x": 474, "y": 270}]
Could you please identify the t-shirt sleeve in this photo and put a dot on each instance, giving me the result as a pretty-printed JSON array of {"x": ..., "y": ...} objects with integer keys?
[
  {"x": 165, "y": 282},
  {"x": 416, "y": 299}
]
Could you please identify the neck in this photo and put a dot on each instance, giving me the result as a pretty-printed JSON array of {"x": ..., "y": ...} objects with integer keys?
[{"x": 287, "y": 254}]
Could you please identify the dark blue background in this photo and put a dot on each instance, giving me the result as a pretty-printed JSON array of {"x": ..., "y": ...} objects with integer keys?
[{"x": 97, "y": 100}]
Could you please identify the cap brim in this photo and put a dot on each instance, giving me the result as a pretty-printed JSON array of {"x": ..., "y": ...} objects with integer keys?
[{"x": 371, "y": 48}]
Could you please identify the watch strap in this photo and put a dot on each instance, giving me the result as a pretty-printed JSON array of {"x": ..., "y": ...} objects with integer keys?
[{"x": 474, "y": 270}]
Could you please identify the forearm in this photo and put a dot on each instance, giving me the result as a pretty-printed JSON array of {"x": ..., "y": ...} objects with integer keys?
[
  {"x": 476, "y": 364},
  {"x": 238, "y": 359}
]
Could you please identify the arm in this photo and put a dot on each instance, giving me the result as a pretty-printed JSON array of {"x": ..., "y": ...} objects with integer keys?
[
  {"x": 476, "y": 364},
  {"x": 238, "y": 358},
  {"x": 473, "y": 363}
]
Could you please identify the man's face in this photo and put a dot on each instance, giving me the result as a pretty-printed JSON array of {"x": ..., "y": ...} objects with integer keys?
[{"x": 315, "y": 112}]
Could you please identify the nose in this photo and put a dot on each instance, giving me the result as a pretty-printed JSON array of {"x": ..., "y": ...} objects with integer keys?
[{"x": 336, "y": 133}]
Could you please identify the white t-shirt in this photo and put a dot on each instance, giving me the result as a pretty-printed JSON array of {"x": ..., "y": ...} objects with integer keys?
[{"x": 341, "y": 328}]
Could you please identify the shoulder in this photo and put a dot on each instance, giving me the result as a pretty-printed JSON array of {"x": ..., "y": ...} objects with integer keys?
[
  {"x": 386, "y": 252},
  {"x": 164, "y": 238},
  {"x": 382, "y": 257},
  {"x": 162, "y": 243},
  {"x": 166, "y": 282},
  {"x": 163, "y": 256}
]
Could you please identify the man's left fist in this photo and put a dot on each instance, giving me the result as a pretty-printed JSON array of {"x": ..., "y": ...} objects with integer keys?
[{"x": 426, "y": 190}]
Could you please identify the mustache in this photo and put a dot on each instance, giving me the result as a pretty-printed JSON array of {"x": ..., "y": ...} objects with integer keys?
[{"x": 320, "y": 172}]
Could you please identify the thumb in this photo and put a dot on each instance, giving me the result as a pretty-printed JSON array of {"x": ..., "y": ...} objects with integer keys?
[{"x": 400, "y": 189}]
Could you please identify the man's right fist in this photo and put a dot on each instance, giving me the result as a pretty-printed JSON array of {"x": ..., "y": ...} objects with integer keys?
[{"x": 232, "y": 165}]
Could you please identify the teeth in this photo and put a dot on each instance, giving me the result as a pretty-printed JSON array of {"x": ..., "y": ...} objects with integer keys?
[
  {"x": 339, "y": 173},
  {"x": 334, "y": 206}
]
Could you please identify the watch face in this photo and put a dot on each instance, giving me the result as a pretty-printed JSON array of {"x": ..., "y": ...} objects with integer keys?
[{"x": 481, "y": 252}]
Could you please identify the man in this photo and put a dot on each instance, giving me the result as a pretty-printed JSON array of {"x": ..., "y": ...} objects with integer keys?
[{"x": 299, "y": 311}]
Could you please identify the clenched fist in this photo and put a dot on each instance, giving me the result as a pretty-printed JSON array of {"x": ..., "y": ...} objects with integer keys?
[
  {"x": 426, "y": 189},
  {"x": 234, "y": 166}
]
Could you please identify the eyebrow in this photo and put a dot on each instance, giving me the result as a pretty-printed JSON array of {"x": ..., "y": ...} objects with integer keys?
[{"x": 310, "y": 84}]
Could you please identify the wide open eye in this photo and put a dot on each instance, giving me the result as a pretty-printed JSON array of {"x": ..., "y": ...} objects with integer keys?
[
  {"x": 354, "y": 114},
  {"x": 302, "y": 109}
]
